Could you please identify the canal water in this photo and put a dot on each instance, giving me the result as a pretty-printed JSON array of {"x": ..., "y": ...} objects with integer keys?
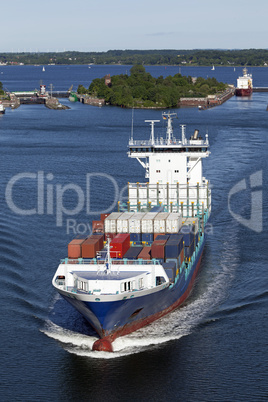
[{"x": 214, "y": 348}]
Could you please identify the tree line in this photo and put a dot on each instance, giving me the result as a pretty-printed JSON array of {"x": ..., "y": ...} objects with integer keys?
[
  {"x": 1, "y": 89},
  {"x": 140, "y": 89},
  {"x": 245, "y": 57}
]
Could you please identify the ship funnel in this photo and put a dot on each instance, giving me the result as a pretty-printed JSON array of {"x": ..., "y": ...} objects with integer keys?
[{"x": 195, "y": 136}]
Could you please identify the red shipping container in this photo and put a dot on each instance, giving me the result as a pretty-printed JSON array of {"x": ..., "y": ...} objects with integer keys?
[
  {"x": 97, "y": 226},
  {"x": 120, "y": 245},
  {"x": 103, "y": 217},
  {"x": 90, "y": 248},
  {"x": 100, "y": 239},
  {"x": 145, "y": 254},
  {"x": 75, "y": 249},
  {"x": 158, "y": 249}
]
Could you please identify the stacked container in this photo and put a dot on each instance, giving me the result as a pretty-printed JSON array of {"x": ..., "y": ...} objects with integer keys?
[
  {"x": 133, "y": 252},
  {"x": 195, "y": 222},
  {"x": 135, "y": 227},
  {"x": 119, "y": 245},
  {"x": 160, "y": 222},
  {"x": 90, "y": 248},
  {"x": 170, "y": 268},
  {"x": 158, "y": 249},
  {"x": 188, "y": 232},
  {"x": 123, "y": 222},
  {"x": 75, "y": 248},
  {"x": 147, "y": 227},
  {"x": 145, "y": 253},
  {"x": 110, "y": 224},
  {"x": 173, "y": 222}
]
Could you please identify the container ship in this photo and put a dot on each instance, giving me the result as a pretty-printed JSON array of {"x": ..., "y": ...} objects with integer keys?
[
  {"x": 141, "y": 261},
  {"x": 244, "y": 84}
]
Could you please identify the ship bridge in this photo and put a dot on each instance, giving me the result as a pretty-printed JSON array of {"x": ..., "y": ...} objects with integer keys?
[{"x": 174, "y": 168}]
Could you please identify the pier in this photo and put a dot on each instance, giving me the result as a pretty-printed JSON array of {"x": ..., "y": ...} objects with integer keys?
[{"x": 260, "y": 89}]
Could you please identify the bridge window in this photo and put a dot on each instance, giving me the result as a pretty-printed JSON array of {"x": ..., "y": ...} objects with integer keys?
[
  {"x": 158, "y": 171},
  {"x": 176, "y": 171}
]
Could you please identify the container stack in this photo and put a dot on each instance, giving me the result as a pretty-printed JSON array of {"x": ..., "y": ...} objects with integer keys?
[
  {"x": 135, "y": 227},
  {"x": 188, "y": 237},
  {"x": 174, "y": 249},
  {"x": 147, "y": 228},
  {"x": 140, "y": 235},
  {"x": 110, "y": 225}
]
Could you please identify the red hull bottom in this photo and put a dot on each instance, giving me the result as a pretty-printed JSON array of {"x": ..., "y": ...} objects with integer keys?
[
  {"x": 243, "y": 92},
  {"x": 105, "y": 343}
]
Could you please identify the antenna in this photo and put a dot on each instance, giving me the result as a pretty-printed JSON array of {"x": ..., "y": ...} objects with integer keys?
[
  {"x": 183, "y": 133},
  {"x": 152, "y": 128},
  {"x": 169, "y": 116},
  {"x": 131, "y": 138}
]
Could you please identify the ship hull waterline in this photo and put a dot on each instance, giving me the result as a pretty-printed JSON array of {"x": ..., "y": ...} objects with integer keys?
[
  {"x": 151, "y": 307},
  {"x": 243, "y": 92}
]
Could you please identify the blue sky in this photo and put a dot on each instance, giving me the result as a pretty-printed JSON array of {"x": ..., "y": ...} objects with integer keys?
[{"x": 87, "y": 25}]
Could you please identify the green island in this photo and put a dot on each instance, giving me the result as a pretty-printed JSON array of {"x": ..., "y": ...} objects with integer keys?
[
  {"x": 1, "y": 89},
  {"x": 141, "y": 90},
  {"x": 194, "y": 57}
]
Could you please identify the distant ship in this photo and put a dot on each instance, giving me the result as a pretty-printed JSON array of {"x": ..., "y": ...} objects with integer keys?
[
  {"x": 244, "y": 84},
  {"x": 141, "y": 262},
  {"x": 213, "y": 68},
  {"x": 2, "y": 108},
  {"x": 43, "y": 69}
]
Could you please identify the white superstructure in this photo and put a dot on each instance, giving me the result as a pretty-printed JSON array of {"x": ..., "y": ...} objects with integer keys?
[
  {"x": 245, "y": 81},
  {"x": 174, "y": 169}
]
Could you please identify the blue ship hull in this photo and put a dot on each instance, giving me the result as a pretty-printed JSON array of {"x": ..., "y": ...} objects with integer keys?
[{"x": 118, "y": 318}]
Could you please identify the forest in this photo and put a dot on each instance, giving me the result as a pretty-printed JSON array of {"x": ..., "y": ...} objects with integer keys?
[
  {"x": 141, "y": 90},
  {"x": 195, "y": 57}
]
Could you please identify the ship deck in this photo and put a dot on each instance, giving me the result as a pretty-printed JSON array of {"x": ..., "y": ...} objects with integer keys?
[{"x": 102, "y": 275}]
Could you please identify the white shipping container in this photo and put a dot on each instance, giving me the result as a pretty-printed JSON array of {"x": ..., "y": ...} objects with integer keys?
[
  {"x": 173, "y": 222},
  {"x": 110, "y": 223},
  {"x": 147, "y": 223},
  {"x": 192, "y": 221},
  {"x": 135, "y": 222},
  {"x": 160, "y": 222},
  {"x": 123, "y": 222}
]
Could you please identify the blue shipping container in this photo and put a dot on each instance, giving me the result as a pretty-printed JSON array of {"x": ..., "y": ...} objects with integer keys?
[
  {"x": 188, "y": 234},
  {"x": 173, "y": 261},
  {"x": 162, "y": 237},
  {"x": 147, "y": 237},
  {"x": 173, "y": 247},
  {"x": 170, "y": 269},
  {"x": 188, "y": 251},
  {"x": 133, "y": 253},
  {"x": 135, "y": 237}
]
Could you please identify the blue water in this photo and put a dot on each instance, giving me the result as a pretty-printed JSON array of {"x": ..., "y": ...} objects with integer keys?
[{"x": 212, "y": 349}]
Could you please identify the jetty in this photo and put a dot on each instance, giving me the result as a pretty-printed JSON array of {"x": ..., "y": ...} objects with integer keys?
[{"x": 209, "y": 101}]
